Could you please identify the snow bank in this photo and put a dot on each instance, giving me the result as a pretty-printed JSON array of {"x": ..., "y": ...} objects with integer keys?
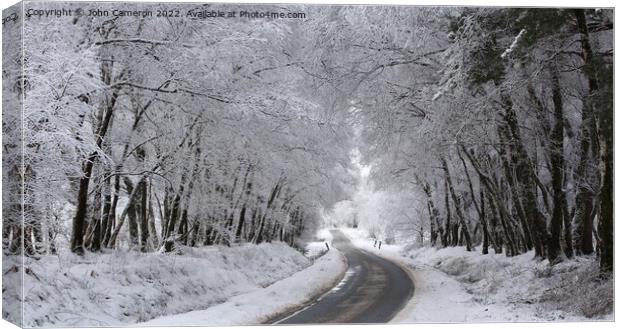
[
  {"x": 521, "y": 288},
  {"x": 263, "y": 305},
  {"x": 118, "y": 288},
  {"x": 315, "y": 249},
  {"x": 325, "y": 235},
  {"x": 454, "y": 285}
]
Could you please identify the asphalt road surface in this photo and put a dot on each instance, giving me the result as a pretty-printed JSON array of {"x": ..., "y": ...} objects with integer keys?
[{"x": 373, "y": 290}]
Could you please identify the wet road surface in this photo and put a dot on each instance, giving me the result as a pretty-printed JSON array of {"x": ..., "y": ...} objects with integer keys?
[{"x": 373, "y": 290}]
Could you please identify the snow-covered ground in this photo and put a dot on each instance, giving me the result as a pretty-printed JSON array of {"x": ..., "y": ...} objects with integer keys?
[
  {"x": 245, "y": 284},
  {"x": 453, "y": 285},
  {"x": 317, "y": 248},
  {"x": 261, "y": 305}
]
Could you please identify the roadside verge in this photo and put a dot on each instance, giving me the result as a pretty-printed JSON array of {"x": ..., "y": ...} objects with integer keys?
[{"x": 269, "y": 303}]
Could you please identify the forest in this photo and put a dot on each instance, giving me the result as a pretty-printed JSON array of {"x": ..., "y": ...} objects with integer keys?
[{"x": 489, "y": 128}]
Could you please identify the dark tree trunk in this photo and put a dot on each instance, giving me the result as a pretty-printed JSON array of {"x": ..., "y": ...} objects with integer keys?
[
  {"x": 252, "y": 229},
  {"x": 479, "y": 208},
  {"x": 184, "y": 227},
  {"x": 105, "y": 215},
  {"x": 603, "y": 113},
  {"x": 79, "y": 220},
  {"x": 93, "y": 240},
  {"x": 239, "y": 230},
  {"x": 485, "y": 230},
  {"x": 131, "y": 199},
  {"x": 132, "y": 213},
  {"x": 457, "y": 206},
  {"x": 583, "y": 218},
  {"x": 262, "y": 229},
  {"x": 525, "y": 176},
  {"x": 433, "y": 214},
  {"x": 584, "y": 201},
  {"x": 497, "y": 241},
  {"x": 496, "y": 203},
  {"x": 111, "y": 221},
  {"x": 144, "y": 217},
  {"x": 52, "y": 245},
  {"x": 508, "y": 166},
  {"x": 568, "y": 230},
  {"x": 448, "y": 229},
  {"x": 173, "y": 213},
  {"x": 554, "y": 250},
  {"x": 194, "y": 233},
  {"x": 207, "y": 235},
  {"x": 29, "y": 249},
  {"x": 152, "y": 229}
]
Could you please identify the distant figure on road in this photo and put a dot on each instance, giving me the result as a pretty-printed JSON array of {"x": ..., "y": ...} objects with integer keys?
[
  {"x": 379, "y": 244},
  {"x": 327, "y": 245},
  {"x": 375, "y": 245}
]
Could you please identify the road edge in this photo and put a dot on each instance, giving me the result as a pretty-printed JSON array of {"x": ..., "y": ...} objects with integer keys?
[
  {"x": 415, "y": 294},
  {"x": 286, "y": 313},
  {"x": 414, "y": 299},
  {"x": 417, "y": 286}
]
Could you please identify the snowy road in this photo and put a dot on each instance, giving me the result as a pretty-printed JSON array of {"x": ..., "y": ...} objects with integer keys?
[{"x": 373, "y": 290}]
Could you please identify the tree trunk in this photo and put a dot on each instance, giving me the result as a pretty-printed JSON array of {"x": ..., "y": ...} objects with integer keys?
[
  {"x": 132, "y": 213},
  {"x": 515, "y": 189},
  {"x": 497, "y": 241},
  {"x": 105, "y": 215},
  {"x": 433, "y": 214},
  {"x": 479, "y": 208},
  {"x": 496, "y": 203},
  {"x": 584, "y": 201},
  {"x": 194, "y": 233},
  {"x": 525, "y": 177},
  {"x": 94, "y": 236},
  {"x": 111, "y": 221},
  {"x": 144, "y": 216},
  {"x": 240, "y": 224},
  {"x": 448, "y": 229},
  {"x": 457, "y": 206},
  {"x": 603, "y": 113},
  {"x": 554, "y": 250},
  {"x": 121, "y": 220},
  {"x": 79, "y": 220},
  {"x": 485, "y": 230},
  {"x": 151, "y": 218},
  {"x": 262, "y": 229},
  {"x": 183, "y": 230}
]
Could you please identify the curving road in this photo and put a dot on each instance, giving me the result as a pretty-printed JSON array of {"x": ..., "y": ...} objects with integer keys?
[{"x": 373, "y": 290}]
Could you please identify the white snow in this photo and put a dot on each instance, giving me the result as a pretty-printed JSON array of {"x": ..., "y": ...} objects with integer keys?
[
  {"x": 268, "y": 303},
  {"x": 316, "y": 249},
  {"x": 325, "y": 235},
  {"x": 120, "y": 288},
  {"x": 513, "y": 45},
  {"x": 454, "y": 285}
]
